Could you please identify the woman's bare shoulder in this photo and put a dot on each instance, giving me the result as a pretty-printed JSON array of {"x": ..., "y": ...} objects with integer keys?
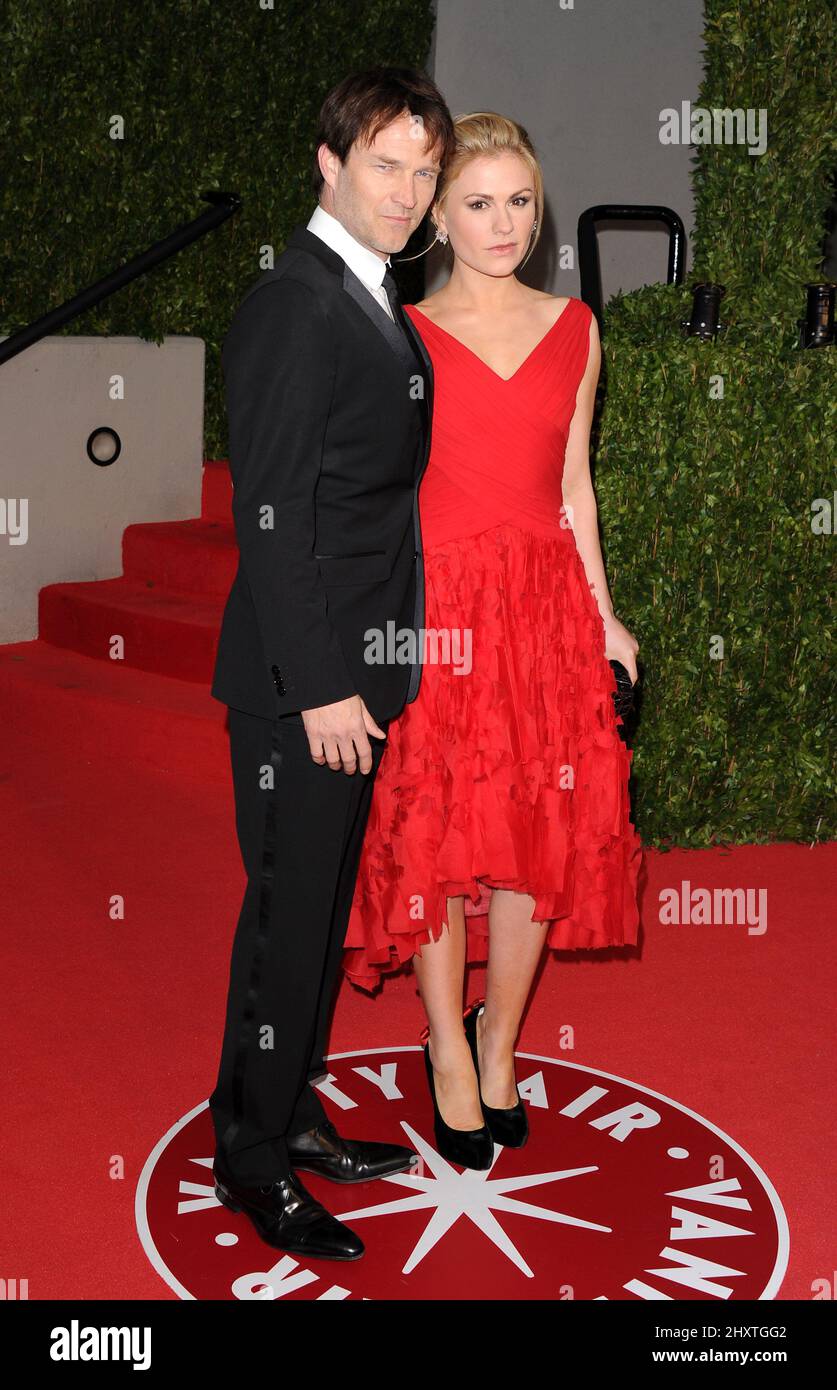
[
  {"x": 428, "y": 306},
  {"x": 551, "y": 306}
]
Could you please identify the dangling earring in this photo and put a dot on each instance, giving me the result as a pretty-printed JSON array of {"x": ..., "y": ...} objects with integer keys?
[
  {"x": 441, "y": 237},
  {"x": 532, "y": 247}
]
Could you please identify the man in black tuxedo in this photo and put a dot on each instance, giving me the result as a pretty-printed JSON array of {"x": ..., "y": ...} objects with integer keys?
[{"x": 329, "y": 397}]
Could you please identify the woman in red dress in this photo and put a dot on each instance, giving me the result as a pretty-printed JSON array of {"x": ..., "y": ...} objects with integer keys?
[{"x": 500, "y": 817}]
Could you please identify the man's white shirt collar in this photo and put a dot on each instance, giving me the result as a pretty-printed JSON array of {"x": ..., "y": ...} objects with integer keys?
[{"x": 368, "y": 267}]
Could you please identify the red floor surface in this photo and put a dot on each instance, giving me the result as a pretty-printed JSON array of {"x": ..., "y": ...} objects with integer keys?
[
  {"x": 111, "y": 1029},
  {"x": 114, "y": 781}
]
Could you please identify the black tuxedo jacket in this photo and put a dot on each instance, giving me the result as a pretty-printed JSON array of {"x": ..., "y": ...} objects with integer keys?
[{"x": 329, "y": 406}]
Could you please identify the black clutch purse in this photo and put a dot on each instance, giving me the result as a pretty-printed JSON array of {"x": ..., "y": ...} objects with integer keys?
[{"x": 623, "y": 695}]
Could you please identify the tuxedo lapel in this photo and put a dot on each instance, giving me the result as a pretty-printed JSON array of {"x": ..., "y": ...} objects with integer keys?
[
  {"x": 379, "y": 316},
  {"x": 416, "y": 338},
  {"x": 427, "y": 399},
  {"x": 303, "y": 240},
  {"x": 399, "y": 342},
  {"x": 405, "y": 343}
]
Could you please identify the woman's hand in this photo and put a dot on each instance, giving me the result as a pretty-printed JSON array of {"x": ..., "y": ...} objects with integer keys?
[{"x": 621, "y": 645}]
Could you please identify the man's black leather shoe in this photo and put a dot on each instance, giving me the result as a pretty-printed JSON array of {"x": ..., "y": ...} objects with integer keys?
[
  {"x": 322, "y": 1150},
  {"x": 287, "y": 1217}
]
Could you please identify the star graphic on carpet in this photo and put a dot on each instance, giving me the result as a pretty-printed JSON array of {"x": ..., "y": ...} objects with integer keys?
[{"x": 471, "y": 1193}]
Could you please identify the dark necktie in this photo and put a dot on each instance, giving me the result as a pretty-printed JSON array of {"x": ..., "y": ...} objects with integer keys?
[
  {"x": 392, "y": 295},
  {"x": 401, "y": 320}
]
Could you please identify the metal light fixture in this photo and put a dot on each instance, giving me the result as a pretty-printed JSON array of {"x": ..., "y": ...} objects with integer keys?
[
  {"x": 705, "y": 321},
  {"x": 817, "y": 327},
  {"x": 103, "y": 446}
]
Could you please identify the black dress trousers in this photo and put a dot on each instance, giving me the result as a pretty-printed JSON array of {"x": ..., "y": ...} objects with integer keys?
[{"x": 300, "y": 828}]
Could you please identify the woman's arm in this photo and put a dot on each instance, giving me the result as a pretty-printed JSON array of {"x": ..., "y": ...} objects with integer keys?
[{"x": 582, "y": 511}]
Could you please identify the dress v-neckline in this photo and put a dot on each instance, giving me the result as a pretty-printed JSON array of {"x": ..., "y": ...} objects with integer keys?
[{"x": 505, "y": 379}]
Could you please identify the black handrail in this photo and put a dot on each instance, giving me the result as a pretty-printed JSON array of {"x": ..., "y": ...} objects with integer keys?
[
  {"x": 223, "y": 206},
  {"x": 589, "y": 268}
]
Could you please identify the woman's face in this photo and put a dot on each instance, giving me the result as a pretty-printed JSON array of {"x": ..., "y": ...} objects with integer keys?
[{"x": 489, "y": 212}]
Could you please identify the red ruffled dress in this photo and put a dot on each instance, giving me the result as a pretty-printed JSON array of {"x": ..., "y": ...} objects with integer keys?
[{"x": 507, "y": 770}]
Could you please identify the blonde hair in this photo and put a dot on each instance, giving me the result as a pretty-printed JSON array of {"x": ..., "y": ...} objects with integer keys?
[{"x": 488, "y": 133}]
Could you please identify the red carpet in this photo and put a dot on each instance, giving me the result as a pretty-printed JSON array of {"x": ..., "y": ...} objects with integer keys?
[{"x": 116, "y": 786}]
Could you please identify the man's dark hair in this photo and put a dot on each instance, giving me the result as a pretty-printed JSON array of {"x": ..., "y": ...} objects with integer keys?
[{"x": 364, "y": 102}]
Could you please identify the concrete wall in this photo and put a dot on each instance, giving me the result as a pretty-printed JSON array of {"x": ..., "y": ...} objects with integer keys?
[
  {"x": 588, "y": 83},
  {"x": 52, "y": 396}
]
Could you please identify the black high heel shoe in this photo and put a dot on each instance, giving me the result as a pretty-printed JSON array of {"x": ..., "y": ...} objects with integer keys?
[
  {"x": 510, "y": 1126},
  {"x": 470, "y": 1148}
]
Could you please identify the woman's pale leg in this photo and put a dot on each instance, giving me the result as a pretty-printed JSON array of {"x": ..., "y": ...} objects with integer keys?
[
  {"x": 440, "y": 970},
  {"x": 514, "y": 950}
]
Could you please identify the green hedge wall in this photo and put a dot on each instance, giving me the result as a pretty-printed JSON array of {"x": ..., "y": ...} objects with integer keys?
[
  {"x": 760, "y": 219},
  {"x": 711, "y": 456},
  {"x": 706, "y": 507},
  {"x": 213, "y": 96}
]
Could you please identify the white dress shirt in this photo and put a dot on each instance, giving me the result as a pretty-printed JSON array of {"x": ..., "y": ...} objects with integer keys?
[{"x": 368, "y": 267}]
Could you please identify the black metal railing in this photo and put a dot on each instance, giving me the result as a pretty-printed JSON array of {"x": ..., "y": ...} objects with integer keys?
[
  {"x": 224, "y": 205},
  {"x": 589, "y": 268}
]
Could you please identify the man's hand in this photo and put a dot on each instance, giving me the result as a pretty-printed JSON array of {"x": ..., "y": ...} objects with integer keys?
[{"x": 336, "y": 731}]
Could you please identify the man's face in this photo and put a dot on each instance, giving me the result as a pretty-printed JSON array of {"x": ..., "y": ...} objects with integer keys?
[{"x": 383, "y": 190}]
